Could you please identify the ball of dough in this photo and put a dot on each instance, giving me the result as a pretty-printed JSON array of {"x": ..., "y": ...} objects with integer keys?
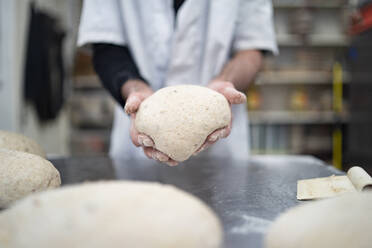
[
  {"x": 111, "y": 214},
  {"x": 19, "y": 142},
  {"x": 24, "y": 173},
  {"x": 179, "y": 118},
  {"x": 341, "y": 222}
]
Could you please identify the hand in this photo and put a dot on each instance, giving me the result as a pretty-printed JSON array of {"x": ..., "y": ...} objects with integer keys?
[
  {"x": 233, "y": 96},
  {"x": 136, "y": 92}
]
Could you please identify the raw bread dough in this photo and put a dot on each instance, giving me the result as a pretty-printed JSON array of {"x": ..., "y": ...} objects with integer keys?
[
  {"x": 341, "y": 222},
  {"x": 110, "y": 214},
  {"x": 19, "y": 142},
  {"x": 179, "y": 118},
  {"x": 24, "y": 173}
]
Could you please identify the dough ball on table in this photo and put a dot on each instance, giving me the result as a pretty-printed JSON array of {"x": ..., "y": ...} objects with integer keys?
[
  {"x": 19, "y": 142},
  {"x": 341, "y": 222},
  {"x": 179, "y": 118},
  {"x": 24, "y": 173},
  {"x": 110, "y": 214}
]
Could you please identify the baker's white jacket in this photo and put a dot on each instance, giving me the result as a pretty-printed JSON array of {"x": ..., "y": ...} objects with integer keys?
[{"x": 189, "y": 49}]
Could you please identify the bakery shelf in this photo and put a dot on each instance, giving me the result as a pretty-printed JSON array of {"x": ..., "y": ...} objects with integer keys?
[
  {"x": 313, "y": 40},
  {"x": 296, "y": 117},
  {"x": 297, "y": 77}
]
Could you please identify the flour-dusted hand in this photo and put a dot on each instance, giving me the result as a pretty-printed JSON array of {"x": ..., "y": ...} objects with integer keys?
[
  {"x": 136, "y": 92},
  {"x": 233, "y": 96},
  {"x": 147, "y": 144},
  {"x": 228, "y": 90}
]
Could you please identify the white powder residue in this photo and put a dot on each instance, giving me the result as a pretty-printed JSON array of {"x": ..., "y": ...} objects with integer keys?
[{"x": 251, "y": 224}]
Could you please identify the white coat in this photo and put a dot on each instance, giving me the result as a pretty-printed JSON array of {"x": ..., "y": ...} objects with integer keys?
[{"x": 189, "y": 49}]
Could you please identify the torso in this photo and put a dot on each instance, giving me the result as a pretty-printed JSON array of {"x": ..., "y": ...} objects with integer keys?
[{"x": 189, "y": 49}]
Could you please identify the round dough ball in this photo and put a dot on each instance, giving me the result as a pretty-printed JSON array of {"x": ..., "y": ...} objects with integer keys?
[
  {"x": 179, "y": 118},
  {"x": 111, "y": 214},
  {"x": 341, "y": 222},
  {"x": 19, "y": 142},
  {"x": 24, "y": 173}
]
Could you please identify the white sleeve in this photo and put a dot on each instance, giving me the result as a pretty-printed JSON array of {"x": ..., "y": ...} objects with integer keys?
[
  {"x": 254, "y": 28},
  {"x": 101, "y": 21}
]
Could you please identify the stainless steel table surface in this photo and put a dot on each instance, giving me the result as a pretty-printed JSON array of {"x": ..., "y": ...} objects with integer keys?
[{"x": 247, "y": 195}]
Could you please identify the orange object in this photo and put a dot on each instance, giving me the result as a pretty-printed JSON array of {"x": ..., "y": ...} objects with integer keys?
[
  {"x": 299, "y": 100},
  {"x": 253, "y": 99}
]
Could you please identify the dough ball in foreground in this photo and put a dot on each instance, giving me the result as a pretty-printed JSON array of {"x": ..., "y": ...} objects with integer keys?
[
  {"x": 110, "y": 214},
  {"x": 341, "y": 222},
  {"x": 179, "y": 118},
  {"x": 24, "y": 173},
  {"x": 19, "y": 142}
]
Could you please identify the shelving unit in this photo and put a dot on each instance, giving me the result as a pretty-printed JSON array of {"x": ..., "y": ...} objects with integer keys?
[
  {"x": 313, "y": 40},
  {"x": 85, "y": 82},
  {"x": 291, "y": 106},
  {"x": 296, "y": 117},
  {"x": 291, "y": 4},
  {"x": 311, "y": 77},
  {"x": 91, "y": 109}
]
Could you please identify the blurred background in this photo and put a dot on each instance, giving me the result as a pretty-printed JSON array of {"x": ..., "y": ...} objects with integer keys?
[{"x": 314, "y": 98}]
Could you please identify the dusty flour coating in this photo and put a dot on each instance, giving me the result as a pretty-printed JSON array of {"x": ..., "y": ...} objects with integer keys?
[
  {"x": 341, "y": 222},
  {"x": 179, "y": 118},
  {"x": 22, "y": 174},
  {"x": 111, "y": 214},
  {"x": 19, "y": 142}
]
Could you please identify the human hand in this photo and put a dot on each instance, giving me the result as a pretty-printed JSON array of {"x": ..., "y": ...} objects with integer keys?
[
  {"x": 233, "y": 96},
  {"x": 136, "y": 92}
]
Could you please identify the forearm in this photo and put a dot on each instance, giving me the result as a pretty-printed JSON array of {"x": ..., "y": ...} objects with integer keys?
[
  {"x": 117, "y": 70},
  {"x": 134, "y": 85},
  {"x": 242, "y": 69}
]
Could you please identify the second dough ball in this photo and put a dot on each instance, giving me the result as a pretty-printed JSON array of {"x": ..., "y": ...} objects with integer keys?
[
  {"x": 179, "y": 118},
  {"x": 19, "y": 142},
  {"x": 22, "y": 174}
]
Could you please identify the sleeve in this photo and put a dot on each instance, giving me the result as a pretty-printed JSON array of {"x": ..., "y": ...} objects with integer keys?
[
  {"x": 101, "y": 21},
  {"x": 115, "y": 66},
  {"x": 254, "y": 29}
]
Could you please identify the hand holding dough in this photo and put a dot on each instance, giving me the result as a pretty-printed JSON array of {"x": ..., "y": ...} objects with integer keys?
[
  {"x": 136, "y": 92},
  {"x": 233, "y": 96},
  {"x": 180, "y": 118}
]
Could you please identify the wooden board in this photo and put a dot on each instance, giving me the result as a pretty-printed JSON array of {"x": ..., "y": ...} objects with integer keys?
[{"x": 318, "y": 188}]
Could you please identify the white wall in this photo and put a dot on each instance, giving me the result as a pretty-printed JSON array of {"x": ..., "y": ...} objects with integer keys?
[
  {"x": 15, "y": 115},
  {"x": 9, "y": 84}
]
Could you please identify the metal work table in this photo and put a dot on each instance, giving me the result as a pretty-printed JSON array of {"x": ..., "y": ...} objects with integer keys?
[{"x": 247, "y": 195}]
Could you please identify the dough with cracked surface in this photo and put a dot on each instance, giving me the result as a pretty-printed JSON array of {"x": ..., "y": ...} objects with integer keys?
[
  {"x": 179, "y": 118},
  {"x": 341, "y": 222},
  {"x": 19, "y": 142},
  {"x": 111, "y": 214},
  {"x": 22, "y": 174}
]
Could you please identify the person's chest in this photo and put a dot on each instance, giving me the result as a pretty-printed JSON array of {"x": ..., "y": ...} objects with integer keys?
[{"x": 185, "y": 45}]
